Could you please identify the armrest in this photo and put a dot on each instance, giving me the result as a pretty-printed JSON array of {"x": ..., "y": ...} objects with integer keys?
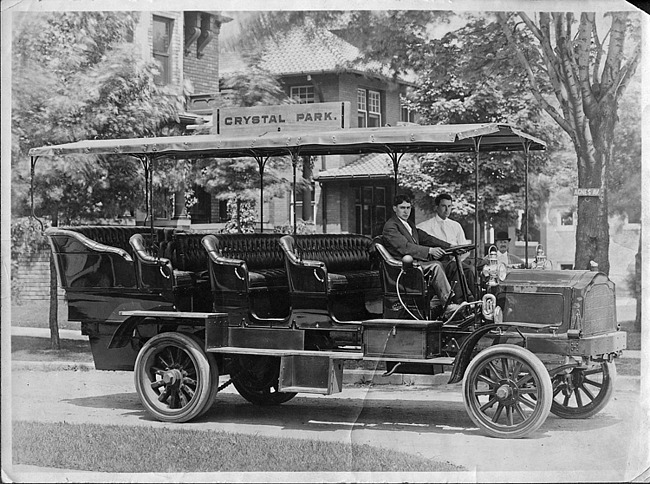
[
  {"x": 411, "y": 282},
  {"x": 307, "y": 276},
  {"x": 87, "y": 243},
  {"x": 83, "y": 263},
  {"x": 225, "y": 274},
  {"x": 151, "y": 272}
]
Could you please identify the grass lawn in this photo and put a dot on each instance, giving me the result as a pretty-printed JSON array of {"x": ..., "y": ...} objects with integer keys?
[
  {"x": 112, "y": 448},
  {"x": 29, "y": 348},
  {"x": 36, "y": 314}
]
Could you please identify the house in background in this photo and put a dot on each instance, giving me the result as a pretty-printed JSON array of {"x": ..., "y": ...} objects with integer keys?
[
  {"x": 350, "y": 194},
  {"x": 186, "y": 47}
]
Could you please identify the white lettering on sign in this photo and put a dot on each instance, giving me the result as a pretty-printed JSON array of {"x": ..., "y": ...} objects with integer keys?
[
  {"x": 261, "y": 119},
  {"x": 586, "y": 192}
]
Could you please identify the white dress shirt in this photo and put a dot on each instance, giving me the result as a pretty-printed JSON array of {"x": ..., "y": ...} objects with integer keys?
[
  {"x": 502, "y": 258},
  {"x": 447, "y": 230}
]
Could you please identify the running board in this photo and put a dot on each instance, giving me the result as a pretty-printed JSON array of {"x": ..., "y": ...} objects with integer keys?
[{"x": 335, "y": 355}]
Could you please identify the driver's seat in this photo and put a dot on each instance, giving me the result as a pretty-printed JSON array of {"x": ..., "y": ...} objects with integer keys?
[{"x": 413, "y": 287}]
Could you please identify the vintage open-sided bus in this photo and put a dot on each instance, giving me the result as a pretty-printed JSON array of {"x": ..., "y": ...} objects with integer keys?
[{"x": 280, "y": 314}]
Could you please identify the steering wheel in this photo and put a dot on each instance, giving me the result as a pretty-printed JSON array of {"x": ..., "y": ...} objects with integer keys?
[{"x": 459, "y": 249}]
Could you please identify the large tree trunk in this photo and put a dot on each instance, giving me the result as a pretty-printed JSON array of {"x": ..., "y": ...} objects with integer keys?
[
  {"x": 55, "y": 342},
  {"x": 637, "y": 287},
  {"x": 587, "y": 77},
  {"x": 592, "y": 230}
]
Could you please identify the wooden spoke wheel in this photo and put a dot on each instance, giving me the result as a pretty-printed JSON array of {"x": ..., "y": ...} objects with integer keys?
[
  {"x": 582, "y": 392},
  {"x": 174, "y": 377},
  {"x": 507, "y": 391},
  {"x": 256, "y": 379}
]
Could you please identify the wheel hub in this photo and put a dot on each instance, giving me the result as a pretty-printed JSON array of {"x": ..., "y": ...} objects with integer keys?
[
  {"x": 506, "y": 392},
  {"x": 172, "y": 377}
]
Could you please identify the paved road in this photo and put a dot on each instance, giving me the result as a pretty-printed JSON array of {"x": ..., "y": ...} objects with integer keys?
[{"x": 430, "y": 422}]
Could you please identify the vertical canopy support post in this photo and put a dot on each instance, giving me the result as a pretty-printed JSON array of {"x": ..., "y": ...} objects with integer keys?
[
  {"x": 261, "y": 163},
  {"x": 477, "y": 151},
  {"x": 294, "y": 164},
  {"x": 526, "y": 143},
  {"x": 395, "y": 158},
  {"x": 147, "y": 165}
]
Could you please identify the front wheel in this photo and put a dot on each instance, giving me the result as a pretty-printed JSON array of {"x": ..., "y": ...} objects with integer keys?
[
  {"x": 582, "y": 392},
  {"x": 507, "y": 391},
  {"x": 173, "y": 377}
]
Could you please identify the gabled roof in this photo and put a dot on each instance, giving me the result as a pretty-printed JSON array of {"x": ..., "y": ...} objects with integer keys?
[
  {"x": 312, "y": 50},
  {"x": 374, "y": 165}
]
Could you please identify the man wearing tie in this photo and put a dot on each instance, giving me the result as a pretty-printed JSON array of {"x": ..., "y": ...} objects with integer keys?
[
  {"x": 442, "y": 227},
  {"x": 402, "y": 237}
]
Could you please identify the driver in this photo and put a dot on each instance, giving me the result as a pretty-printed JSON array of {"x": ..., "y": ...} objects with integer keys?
[
  {"x": 402, "y": 237},
  {"x": 444, "y": 228}
]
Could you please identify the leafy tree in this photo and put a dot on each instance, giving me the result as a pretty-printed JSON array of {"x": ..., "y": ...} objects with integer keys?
[
  {"x": 588, "y": 72},
  {"x": 470, "y": 81},
  {"x": 573, "y": 72},
  {"x": 624, "y": 182},
  {"x": 76, "y": 76}
]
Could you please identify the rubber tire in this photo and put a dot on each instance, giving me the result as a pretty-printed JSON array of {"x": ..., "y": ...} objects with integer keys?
[
  {"x": 542, "y": 401},
  {"x": 214, "y": 382},
  {"x": 263, "y": 392},
  {"x": 598, "y": 402},
  {"x": 192, "y": 353}
]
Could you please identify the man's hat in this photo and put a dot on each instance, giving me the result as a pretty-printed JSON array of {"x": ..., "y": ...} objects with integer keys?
[{"x": 502, "y": 236}]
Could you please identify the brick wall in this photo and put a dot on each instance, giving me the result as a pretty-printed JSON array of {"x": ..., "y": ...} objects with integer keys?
[
  {"x": 176, "y": 47},
  {"x": 32, "y": 278},
  {"x": 204, "y": 71}
]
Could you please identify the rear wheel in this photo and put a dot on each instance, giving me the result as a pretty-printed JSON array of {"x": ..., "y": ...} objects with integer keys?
[
  {"x": 173, "y": 377},
  {"x": 582, "y": 392},
  {"x": 507, "y": 391},
  {"x": 256, "y": 378}
]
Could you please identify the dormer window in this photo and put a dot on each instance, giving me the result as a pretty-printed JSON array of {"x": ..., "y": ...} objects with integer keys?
[
  {"x": 368, "y": 108},
  {"x": 303, "y": 94}
]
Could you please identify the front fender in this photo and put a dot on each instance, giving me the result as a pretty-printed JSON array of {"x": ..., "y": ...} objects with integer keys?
[{"x": 465, "y": 352}]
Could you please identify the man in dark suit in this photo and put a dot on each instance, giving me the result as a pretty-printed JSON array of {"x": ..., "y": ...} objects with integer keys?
[{"x": 402, "y": 237}]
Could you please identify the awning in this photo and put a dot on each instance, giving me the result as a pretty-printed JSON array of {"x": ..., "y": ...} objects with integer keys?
[{"x": 399, "y": 139}]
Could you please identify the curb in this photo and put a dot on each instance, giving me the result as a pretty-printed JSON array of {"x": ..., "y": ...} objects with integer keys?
[
  {"x": 24, "y": 365},
  {"x": 350, "y": 377},
  {"x": 74, "y": 334}
]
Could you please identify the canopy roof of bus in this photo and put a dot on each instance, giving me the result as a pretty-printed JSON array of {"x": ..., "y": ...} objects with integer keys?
[{"x": 399, "y": 139}]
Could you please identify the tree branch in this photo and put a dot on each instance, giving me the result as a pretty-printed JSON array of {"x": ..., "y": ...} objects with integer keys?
[
  {"x": 614, "y": 50},
  {"x": 583, "y": 45},
  {"x": 599, "y": 53},
  {"x": 627, "y": 71},
  {"x": 503, "y": 21}
]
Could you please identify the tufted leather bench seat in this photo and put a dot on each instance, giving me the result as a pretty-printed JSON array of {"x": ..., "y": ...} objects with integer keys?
[
  {"x": 336, "y": 272},
  {"x": 248, "y": 277}
]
